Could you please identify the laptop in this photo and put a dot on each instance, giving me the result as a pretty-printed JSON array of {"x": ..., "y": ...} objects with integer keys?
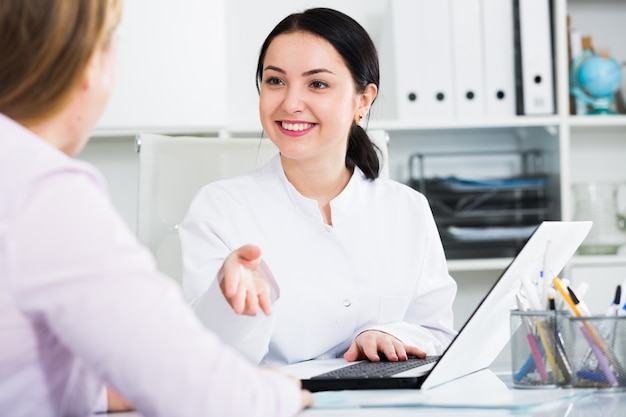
[{"x": 483, "y": 335}]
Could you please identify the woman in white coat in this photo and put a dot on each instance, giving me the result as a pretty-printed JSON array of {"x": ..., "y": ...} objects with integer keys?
[
  {"x": 352, "y": 263},
  {"x": 81, "y": 302}
]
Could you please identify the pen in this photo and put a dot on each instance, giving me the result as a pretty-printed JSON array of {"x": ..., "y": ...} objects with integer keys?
[
  {"x": 532, "y": 343},
  {"x": 565, "y": 296},
  {"x": 551, "y": 302},
  {"x": 561, "y": 357},
  {"x": 547, "y": 348},
  {"x": 604, "y": 364},
  {"x": 615, "y": 304},
  {"x": 531, "y": 294},
  {"x": 543, "y": 337},
  {"x": 614, "y": 311},
  {"x": 596, "y": 335},
  {"x": 526, "y": 368},
  {"x": 545, "y": 283},
  {"x": 592, "y": 376},
  {"x": 578, "y": 302},
  {"x": 581, "y": 289},
  {"x": 598, "y": 348}
]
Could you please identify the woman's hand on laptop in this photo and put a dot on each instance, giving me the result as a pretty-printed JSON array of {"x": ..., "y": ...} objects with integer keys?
[
  {"x": 371, "y": 343},
  {"x": 244, "y": 286}
]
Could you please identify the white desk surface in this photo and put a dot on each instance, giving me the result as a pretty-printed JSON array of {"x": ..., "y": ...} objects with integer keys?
[
  {"x": 544, "y": 403},
  {"x": 600, "y": 405}
]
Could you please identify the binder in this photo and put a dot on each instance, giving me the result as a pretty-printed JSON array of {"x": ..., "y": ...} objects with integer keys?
[
  {"x": 421, "y": 75},
  {"x": 534, "y": 58},
  {"x": 498, "y": 58},
  {"x": 575, "y": 49},
  {"x": 467, "y": 58}
]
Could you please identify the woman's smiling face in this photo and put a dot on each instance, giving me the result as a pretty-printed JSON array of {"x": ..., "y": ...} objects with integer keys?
[{"x": 308, "y": 98}]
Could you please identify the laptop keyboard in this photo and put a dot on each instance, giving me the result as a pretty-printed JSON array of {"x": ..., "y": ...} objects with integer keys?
[{"x": 384, "y": 368}]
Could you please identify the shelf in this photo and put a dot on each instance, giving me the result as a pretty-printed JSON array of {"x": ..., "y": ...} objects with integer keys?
[
  {"x": 522, "y": 121},
  {"x": 178, "y": 130},
  {"x": 591, "y": 121},
  {"x": 485, "y": 264},
  {"x": 594, "y": 1},
  {"x": 605, "y": 260},
  {"x": 597, "y": 121},
  {"x": 492, "y": 264}
]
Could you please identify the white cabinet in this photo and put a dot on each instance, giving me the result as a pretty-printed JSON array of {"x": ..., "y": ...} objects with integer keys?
[
  {"x": 172, "y": 72},
  {"x": 575, "y": 148},
  {"x": 596, "y": 145}
]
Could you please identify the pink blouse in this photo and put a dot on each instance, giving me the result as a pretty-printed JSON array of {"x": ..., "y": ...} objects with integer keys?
[{"x": 82, "y": 305}]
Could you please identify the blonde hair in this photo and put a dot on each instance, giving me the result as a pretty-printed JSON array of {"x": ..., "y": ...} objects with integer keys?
[{"x": 45, "y": 47}]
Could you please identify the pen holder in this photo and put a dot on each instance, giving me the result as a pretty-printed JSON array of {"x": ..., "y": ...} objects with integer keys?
[
  {"x": 596, "y": 348},
  {"x": 538, "y": 358}
]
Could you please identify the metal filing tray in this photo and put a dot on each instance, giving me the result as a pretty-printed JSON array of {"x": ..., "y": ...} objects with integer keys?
[{"x": 484, "y": 217}]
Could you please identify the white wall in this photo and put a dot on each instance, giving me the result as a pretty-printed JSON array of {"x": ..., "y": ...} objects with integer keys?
[
  {"x": 245, "y": 32},
  {"x": 172, "y": 71},
  {"x": 116, "y": 158}
]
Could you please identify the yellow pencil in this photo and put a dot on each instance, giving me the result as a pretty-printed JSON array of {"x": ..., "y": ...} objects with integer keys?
[
  {"x": 547, "y": 347},
  {"x": 559, "y": 287}
]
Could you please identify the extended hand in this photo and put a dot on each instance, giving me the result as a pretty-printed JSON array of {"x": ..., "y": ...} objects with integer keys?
[
  {"x": 244, "y": 286},
  {"x": 370, "y": 343},
  {"x": 306, "y": 397},
  {"x": 117, "y": 403}
]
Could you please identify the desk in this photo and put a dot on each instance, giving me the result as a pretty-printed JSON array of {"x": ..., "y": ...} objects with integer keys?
[{"x": 596, "y": 403}]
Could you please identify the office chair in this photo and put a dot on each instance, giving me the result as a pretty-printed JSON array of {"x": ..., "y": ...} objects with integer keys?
[{"x": 171, "y": 171}]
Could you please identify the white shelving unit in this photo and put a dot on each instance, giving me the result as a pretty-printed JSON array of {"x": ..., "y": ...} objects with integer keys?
[{"x": 578, "y": 148}]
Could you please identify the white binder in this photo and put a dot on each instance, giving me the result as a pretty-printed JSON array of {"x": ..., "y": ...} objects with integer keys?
[
  {"x": 576, "y": 48},
  {"x": 421, "y": 75},
  {"x": 535, "y": 69},
  {"x": 498, "y": 58},
  {"x": 467, "y": 58}
]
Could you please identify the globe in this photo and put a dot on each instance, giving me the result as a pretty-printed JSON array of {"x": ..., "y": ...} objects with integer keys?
[{"x": 595, "y": 79}]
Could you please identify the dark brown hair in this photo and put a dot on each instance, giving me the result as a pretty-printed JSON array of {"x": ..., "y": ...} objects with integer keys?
[{"x": 356, "y": 47}]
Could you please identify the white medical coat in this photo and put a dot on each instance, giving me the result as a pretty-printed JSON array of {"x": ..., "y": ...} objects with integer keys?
[{"x": 381, "y": 265}]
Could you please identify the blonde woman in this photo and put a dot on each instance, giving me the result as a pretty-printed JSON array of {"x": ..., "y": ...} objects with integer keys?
[{"x": 81, "y": 302}]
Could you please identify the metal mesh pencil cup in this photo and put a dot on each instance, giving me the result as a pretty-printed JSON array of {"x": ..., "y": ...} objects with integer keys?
[
  {"x": 596, "y": 348},
  {"x": 538, "y": 357}
]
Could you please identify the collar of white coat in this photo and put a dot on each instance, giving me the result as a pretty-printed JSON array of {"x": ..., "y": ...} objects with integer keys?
[{"x": 341, "y": 206}]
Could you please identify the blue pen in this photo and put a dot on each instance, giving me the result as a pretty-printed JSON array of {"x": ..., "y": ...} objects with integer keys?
[
  {"x": 526, "y": 368},
  {"x": 593, "y": 376}
]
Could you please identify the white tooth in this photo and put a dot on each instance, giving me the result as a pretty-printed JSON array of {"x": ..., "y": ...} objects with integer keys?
[{"x": 296, "y": 126}]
